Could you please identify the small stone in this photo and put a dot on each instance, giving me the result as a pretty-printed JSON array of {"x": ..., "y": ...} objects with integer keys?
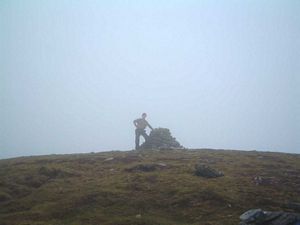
[
  {"x": 109, "y": 159},
  {"x": 162, "y": 164},
  {"x": 138, "y": 216},
  {"x": 142, "y": 167}
]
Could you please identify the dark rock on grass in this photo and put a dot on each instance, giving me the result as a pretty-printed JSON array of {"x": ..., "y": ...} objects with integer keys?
[
  {"x": 109, "y": 159},
  {"x": 203, "y": 170},
  {"x": 124, "y": 159},
  {"x": 260, "y": 217},
  {"x": 146, "y": 167},
  {"x": 161, "y": 138},
  {"x": 260, "y": 180}
]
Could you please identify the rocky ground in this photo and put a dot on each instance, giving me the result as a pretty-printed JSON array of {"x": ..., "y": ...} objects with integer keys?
[{"x": 146, "y": 187}]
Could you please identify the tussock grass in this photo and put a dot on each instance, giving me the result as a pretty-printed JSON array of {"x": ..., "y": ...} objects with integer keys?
[{"x": 146, "y": 187}]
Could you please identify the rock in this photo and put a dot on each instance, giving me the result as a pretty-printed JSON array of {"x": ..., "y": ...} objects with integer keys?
[
  {"x": 162, "y": 164},
  {"x": 60, "y": 190},
  {"x": 161, "y": 138},
  {"x": 259, "y": 180},
  {"x": 145, "y": 167},
  {"x": 109, "y": 159},
  {"x": 251, "y": 215},
  {"x": 260, "y": 217},
  {"x": 203, "y": 170},
  {"x": 138, "y": 216}
]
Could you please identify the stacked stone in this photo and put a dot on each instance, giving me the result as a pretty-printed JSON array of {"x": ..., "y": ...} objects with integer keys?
[{"x": 161, "y": 138}]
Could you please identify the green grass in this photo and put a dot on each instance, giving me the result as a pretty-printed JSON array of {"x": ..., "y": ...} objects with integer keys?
[{"x": 87, "y": 189}]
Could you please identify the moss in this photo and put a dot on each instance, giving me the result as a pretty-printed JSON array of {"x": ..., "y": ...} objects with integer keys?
[{"x": 86, "y": 189}]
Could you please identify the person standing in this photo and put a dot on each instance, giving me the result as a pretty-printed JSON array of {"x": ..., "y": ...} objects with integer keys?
[{"x": 141, "y": 124}]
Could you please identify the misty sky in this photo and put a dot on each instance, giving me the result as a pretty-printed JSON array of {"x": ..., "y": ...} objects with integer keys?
[{"x": 218, "y": 74}]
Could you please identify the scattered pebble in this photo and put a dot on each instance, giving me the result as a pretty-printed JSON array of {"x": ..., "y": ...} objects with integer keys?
[{"x": 109, "y": 159}]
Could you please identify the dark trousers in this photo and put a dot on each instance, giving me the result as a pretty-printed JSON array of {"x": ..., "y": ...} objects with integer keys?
[{"x": 138, "y": 133}]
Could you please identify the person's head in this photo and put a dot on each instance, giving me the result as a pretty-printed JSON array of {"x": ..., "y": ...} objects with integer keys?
[{"x": 144, "y": 115}]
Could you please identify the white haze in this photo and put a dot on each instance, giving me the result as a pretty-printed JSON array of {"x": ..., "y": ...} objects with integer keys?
[{"x": 218, "y": 74}]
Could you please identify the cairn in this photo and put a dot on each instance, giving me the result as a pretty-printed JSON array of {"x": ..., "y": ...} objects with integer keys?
[{"x": 160, "y": 138}]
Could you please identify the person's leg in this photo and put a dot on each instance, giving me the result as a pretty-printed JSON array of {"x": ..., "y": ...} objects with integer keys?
[
  {"x": 145, "y": 135},
  {"x": 137, "y": 139}
]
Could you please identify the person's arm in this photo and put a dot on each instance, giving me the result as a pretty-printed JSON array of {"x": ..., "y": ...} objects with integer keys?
[
  {"x": 134, "y": 122},
  {"x": 149, "y": 126}
]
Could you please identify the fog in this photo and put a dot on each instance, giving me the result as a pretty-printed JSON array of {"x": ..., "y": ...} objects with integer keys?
[{"x": 218, "y": 74}]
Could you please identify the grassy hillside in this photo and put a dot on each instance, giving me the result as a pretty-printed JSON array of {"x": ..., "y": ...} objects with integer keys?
[{"x": 110, "y": 188}]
